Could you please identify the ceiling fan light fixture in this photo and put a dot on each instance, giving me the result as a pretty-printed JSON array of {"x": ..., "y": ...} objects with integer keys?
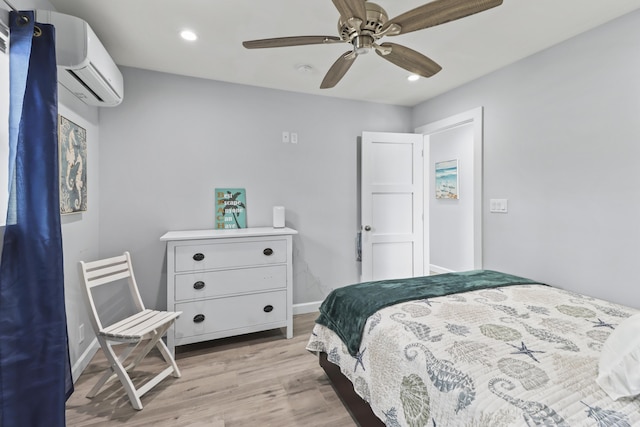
[
  {"x": 362, "y": 44},
  {"x": 413, "y": 77}
]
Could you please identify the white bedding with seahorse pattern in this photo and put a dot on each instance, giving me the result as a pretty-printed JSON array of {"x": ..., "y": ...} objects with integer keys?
[{"x": 510, "y": 356}]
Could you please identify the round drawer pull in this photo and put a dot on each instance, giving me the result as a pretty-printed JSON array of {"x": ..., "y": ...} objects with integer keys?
[
  {"x": 268, "y": 251},
  {"x": 198, "y": 318},
  {"x": 268, "y": 308},
  {"x": 198, "y": 257},
  {"x": 198, "y": 285}
]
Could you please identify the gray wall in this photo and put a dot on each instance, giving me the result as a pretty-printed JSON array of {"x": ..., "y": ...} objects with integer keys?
[
  {"x": 175, "y": 139},
  {"x": 561, "y": 142}
]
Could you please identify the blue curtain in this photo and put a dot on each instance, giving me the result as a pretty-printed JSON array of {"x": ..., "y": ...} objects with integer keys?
[{"x": 35, "y": 377}]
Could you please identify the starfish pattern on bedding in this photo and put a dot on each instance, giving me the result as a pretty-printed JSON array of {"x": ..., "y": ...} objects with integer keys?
[
  {"x": 358, "y": 358},
  {"x": 524, "y": 350},
  {"x": 602, "y": 324}
]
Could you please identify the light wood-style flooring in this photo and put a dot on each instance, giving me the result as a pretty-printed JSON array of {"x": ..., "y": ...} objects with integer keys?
[{"x": 259, "y": 379}]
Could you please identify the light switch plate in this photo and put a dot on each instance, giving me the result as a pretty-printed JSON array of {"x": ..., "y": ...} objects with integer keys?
[{"x": 498, "y": 205}]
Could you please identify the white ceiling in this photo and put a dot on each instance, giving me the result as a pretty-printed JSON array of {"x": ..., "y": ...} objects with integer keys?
[{"x": 144, "y": 34}]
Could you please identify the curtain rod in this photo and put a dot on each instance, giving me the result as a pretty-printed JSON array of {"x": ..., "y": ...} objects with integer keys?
[{"x": 10, "y": 5}]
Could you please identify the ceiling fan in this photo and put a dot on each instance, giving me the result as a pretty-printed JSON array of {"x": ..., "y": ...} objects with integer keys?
[{"x": 362, "y": 23}]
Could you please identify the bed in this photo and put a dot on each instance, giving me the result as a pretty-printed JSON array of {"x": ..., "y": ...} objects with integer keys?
[{"x": 479, "y": 348}]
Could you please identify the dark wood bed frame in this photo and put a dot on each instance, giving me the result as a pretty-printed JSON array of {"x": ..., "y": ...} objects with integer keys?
[{"x": 359, "y": 408}]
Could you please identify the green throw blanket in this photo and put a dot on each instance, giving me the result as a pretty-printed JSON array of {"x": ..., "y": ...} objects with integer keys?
[{"x": 346, "y": 310}]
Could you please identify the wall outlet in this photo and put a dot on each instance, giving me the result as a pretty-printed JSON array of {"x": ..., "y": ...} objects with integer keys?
[{"x": 81, "y": 333}]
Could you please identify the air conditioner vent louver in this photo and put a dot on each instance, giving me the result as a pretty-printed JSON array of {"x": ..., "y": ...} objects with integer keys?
[{"x": 84, "y": 85}]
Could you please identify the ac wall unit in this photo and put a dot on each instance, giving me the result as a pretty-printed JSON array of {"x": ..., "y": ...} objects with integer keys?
[{"x": 84, "y": 65}]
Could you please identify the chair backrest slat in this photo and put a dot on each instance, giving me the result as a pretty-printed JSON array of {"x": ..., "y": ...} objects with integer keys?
[
  {"x": 108, "y": 279},
  {"x": 105, "y": 271},
  {"x": 120, "y": 259}
]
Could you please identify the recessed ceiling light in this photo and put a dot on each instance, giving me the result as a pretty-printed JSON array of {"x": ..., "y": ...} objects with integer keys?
[
  {"x": 188, "y": 35},
  {"x": 413, "y": 77}
]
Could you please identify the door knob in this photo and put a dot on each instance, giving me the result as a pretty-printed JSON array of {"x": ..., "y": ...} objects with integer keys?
[{"x": 367, "y": 228}]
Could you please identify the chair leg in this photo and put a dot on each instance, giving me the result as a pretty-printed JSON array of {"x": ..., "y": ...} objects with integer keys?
[
  {"x": 142, "y": 354},
  {"x": 164, "y": 351},
  {"x": 117, "y": 369},
  {"x": 166, "y": 355},
  {"x": 122, "y": 374},
  {"x": 109, "y": 373},
  {"x": 155, "y": 337}
]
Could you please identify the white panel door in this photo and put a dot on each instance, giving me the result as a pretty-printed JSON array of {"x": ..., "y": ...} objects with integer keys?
[{"x": 392, "y": 205}]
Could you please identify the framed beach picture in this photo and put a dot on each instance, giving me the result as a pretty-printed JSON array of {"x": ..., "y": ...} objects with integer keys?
[
  {"x": 447, "y": 179},
  {"x": 72, "y": 143},
  {"x": 231, "y": 208}
]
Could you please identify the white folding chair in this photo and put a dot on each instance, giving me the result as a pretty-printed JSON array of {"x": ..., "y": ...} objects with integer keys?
[{"x": 143, "y": 325}]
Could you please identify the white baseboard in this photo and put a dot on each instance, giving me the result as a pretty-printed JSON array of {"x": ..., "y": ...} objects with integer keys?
[
  {"x": 307, "y": 307},
  {"x": 84, "y": 360},
  {"x": 439, "y": 270}
]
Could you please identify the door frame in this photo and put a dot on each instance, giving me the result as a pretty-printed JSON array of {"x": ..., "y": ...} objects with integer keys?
[{"x": 475, "y": 117}]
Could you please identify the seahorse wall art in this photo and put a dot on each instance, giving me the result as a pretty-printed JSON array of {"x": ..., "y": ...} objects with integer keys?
[{"x": 444, "y": 376}]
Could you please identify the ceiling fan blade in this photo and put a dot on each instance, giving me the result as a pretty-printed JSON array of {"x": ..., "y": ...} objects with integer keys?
[
  {"x": 338, "y": 70},
  {"x": 438, "y": 12},
  {"x": 290, "y": 41},
  {"x": 409, "y": 59},
  {"x": 351, "y": 9}
]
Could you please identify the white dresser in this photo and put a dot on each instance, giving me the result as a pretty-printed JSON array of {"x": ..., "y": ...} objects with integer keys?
[{"x": 228, "y": 282}]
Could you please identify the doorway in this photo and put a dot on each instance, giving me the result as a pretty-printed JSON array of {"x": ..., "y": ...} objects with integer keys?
[
  {"x": 453, "y": 226},
  {"x": 395, "y": 198}
]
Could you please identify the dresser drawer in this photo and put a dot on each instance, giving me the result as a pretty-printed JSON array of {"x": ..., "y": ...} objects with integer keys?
[
  {"x": 222, "y": 314},
  {"x": 190, "y": 257},
  {"x": 225, "y": 282}
]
